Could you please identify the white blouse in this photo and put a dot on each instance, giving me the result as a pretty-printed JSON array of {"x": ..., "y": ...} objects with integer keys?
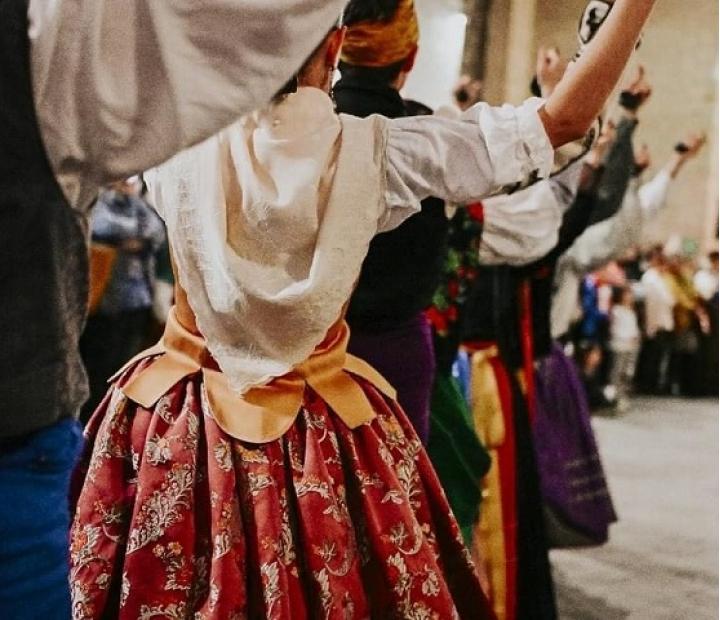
[
  {"x": 270, "y": 220},
  {"x": 521, "y": 228}
]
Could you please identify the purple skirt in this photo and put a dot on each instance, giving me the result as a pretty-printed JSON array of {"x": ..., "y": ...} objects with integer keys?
[
  {"x": 405, "y": 356},
  {"x": 572, "y": 479}
]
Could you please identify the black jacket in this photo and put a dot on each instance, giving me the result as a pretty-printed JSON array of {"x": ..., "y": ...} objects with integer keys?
[
  {"x": 43, "y": 258},
  {"x": 403, "y": 266}
]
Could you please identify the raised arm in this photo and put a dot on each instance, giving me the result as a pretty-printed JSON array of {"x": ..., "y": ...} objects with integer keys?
[
  {"x": 464, "y": 161},
  {"x": 686, "y": 150},
  {"x": 492, "y": 149},
  {"x": 608, "y": 239},
  {"x": 581, "y": 95}
]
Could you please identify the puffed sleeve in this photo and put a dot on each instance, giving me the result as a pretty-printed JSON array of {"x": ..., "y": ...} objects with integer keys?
[
  {"x": 121, "y": 86},
  {"x": 488, "y": 150},
  {"x": 521, "y": 228}
]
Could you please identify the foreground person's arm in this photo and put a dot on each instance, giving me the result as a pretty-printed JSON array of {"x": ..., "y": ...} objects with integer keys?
[{"x": 121, "y": 85}]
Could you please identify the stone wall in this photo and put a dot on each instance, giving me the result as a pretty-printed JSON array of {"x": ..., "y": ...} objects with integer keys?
[{"x": 679, "y": 50}]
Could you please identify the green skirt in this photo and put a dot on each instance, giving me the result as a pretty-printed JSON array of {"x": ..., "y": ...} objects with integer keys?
[{"x": 459, "y": 458}]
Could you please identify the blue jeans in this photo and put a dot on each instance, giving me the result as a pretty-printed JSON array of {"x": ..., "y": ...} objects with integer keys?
[{"x": 34, "y": 523}]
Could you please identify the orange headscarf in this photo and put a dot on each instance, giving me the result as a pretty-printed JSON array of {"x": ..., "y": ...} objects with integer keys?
[{"x": 382, "y": 43}]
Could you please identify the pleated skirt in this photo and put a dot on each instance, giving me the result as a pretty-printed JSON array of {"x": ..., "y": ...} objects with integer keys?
[{"x": 176, "y": 519}]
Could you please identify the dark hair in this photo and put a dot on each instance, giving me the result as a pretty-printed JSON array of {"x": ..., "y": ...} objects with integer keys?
[
  {"x": 713, "y": 256},
  {"x": 143, "y": 186},
  {"x": 462, "y": 95},
  {"x": 290, "y": 87},
  {"x": 618, "y": 292},
  {"x": 364, "y": 10},
  {"x": 535, "y": 87},
  {"x": 656, "y": 253},
  {"x": 381, "y": 75}
]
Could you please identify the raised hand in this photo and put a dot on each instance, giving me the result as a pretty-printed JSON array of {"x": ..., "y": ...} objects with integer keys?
[
  {"x": 637, "y": 92},
  {"x": 691, "y": 145},
  {"x": 685, "y": 151},
  {"x": 550, "y": 69},
  {"x": 580, "y": 96}
]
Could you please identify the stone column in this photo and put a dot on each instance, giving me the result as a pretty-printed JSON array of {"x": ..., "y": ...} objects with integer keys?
[
  {"x": 476, "y": 38},
  {"x": 520, "y": 56},
  {"x": 710, "y": 229}
]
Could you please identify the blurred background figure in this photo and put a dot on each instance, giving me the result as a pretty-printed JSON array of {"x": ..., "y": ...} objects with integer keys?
[
  {"x": 706, "y": 278},
  {"x": 653, "y": 371},
  {"x": 690, "y": 323},
  {"x": 706, "y": 285},
  {"x": 624, "y": 343},
  {"x": 127, "y": 233},
  {"x": 467, "y": 92}
]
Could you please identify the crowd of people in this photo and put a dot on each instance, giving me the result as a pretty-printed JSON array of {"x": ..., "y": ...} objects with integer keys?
[
  {"x": 362, "y": 402},
  {"x": 649, "y": 325}
]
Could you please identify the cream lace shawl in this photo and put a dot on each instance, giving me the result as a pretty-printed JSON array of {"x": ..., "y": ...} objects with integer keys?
[{"x": 269, "y": 223}]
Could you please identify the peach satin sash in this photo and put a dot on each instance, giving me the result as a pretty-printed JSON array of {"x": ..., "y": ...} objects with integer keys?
[{"x": 266, "y": 412}]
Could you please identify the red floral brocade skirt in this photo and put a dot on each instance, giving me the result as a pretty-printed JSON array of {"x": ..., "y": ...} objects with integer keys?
[{"x": 176, "y": 519}]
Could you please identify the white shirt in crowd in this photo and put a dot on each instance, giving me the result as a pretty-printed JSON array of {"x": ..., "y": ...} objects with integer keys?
[
  {"x": 624, "y": 329},
  {"x": 706, "y": 283},
  {"x": 659, "y": 303}
]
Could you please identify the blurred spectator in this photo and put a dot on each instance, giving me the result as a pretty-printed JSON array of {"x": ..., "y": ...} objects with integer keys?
[
  {"x": 593, "y": 318},
  {"x": 630, "y": 264},
  {"x": 706, "y": 279},
  {"x": 624, "y": 343},
  {"x": 117, "y": 329},
  {"x": 684, "y": 376},
  {"x": 467, "y": 92},
  {"x": 164, "y": 293},
  {"x": 707, "y": 287},
  {"x": 653, "y": 370}
]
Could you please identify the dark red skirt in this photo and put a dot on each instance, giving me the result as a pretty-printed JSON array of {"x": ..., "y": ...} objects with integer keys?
[{"x": 176, "y": 519}]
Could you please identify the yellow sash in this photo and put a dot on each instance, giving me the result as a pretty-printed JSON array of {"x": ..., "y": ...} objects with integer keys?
[{"x": 266, "y": 412}]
